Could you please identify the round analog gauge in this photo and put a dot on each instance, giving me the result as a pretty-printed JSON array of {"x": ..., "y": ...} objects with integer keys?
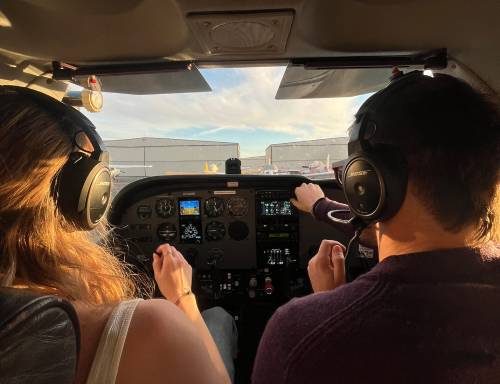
[
  {"x": 165, "y": 207},
  {"x": 237, "y": 206},
  {"x": 238, "y": 230},
  {"x": 215, "y": 255},
  {"x": 215, "y": 231},
  {"x": 214, "y": 207},
  {"x": 144, "y": 212},
  {"x": 167, "y": 232}
]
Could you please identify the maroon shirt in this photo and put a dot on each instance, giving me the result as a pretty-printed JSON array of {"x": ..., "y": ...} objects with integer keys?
[
  {"x": 323, "y": 206},
  {"x": 430, "y": 317}
]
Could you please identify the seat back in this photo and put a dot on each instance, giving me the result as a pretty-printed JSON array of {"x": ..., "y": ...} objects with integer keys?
[{"x": 39, "y": 338}]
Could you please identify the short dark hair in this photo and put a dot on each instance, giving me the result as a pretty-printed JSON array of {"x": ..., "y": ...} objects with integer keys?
[{"x": 450, "y": 136}]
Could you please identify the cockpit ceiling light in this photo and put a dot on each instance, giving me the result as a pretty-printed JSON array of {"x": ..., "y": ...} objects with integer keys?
[
  {"x": 4, "y": 21},
  {"x": 242, "y": 33}
]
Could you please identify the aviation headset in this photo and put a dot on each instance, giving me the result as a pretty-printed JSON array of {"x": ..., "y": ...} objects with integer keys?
[
  {"x": 83, "y": 186},
  {"x": 376, "y": 175}
]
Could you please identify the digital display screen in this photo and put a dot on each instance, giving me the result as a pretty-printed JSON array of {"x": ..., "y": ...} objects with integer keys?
[
  {"x": 191, "y": 232},
  {"x": 189, "y": 207},
  {"x": 276, "y": 256},
  {"x": 274, "y": 235},
  {"x": 276, "y": 208}
]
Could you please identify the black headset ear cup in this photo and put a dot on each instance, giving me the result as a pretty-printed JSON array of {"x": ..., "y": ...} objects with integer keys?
[
  {"x": 375, "y": 184},
  {"x": 364, "y": 187},
  {"x": 83, "y": 190},
  {"x": 394, "y": 171}
]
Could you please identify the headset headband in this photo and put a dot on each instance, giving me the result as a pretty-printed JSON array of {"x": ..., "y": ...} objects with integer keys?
[
  {"x": 368, "y": 129},
  {"x": 70, "y": 120}
]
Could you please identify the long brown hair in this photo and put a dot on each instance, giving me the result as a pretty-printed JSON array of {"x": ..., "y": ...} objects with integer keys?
[{"x": 38, "y": 248}]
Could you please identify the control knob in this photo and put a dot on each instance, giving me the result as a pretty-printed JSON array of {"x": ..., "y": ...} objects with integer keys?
[
  {"x": 252, "y": 283},
  {"x": 268, "y": 286}
]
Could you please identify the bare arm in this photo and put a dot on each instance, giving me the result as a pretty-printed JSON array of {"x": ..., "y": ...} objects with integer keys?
[
  {"x": 163, "y": 346},
  {"x": 173, "y": 275},
  {"x": 190, "y": 308}
]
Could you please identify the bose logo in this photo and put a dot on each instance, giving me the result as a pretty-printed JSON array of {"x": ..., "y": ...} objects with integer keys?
[{"x": 359, "y": 173}]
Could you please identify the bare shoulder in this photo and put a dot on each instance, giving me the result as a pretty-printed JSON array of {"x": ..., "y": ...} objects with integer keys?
[
  {"x": 155, "y": 312},
  {"x": 162, "y": 346}
]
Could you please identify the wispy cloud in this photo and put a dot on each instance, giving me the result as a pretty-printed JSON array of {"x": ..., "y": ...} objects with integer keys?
[{"x": 242, "y": 102}]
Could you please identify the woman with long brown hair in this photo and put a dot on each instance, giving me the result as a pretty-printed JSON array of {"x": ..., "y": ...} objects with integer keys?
[{"x": 124, "y": 340}]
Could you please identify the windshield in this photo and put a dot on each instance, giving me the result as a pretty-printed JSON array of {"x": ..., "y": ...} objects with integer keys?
[{"x": 194, "y": 133}]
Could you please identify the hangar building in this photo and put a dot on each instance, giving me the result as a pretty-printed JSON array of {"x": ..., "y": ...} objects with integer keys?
[
  {"x": 148, "y": 156},
  {"x": 299, "y": 154}
]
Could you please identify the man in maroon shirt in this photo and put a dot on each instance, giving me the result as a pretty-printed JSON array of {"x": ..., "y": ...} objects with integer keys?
[{"x": 429, "y": 312}]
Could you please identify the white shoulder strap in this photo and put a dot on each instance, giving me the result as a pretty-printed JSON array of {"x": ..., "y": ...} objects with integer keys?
[{"x": 107, "y": 358}]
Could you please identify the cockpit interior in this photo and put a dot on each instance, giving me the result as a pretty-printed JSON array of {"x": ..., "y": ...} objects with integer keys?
[{"x": 247, "y": 244}]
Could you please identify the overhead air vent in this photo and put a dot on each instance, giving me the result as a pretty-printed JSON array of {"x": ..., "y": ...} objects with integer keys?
[{"x": 242, "y": 33}]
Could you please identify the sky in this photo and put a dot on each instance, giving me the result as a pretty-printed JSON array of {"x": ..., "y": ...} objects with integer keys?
[{"x": 241, "y": 108}]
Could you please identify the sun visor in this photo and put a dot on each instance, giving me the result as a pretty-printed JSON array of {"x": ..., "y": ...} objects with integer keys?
[
  {"x": 348, "y": 76},
  {"x": 183, "y": 81},
  {"x": 299, "y": 82}
]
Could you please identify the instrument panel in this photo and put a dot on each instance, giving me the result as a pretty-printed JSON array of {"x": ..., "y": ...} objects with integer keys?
[
  {"x": 208, "y": 226},
  {"x": 240, "y": 233},
  {"x": 230, "y": 229}
]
